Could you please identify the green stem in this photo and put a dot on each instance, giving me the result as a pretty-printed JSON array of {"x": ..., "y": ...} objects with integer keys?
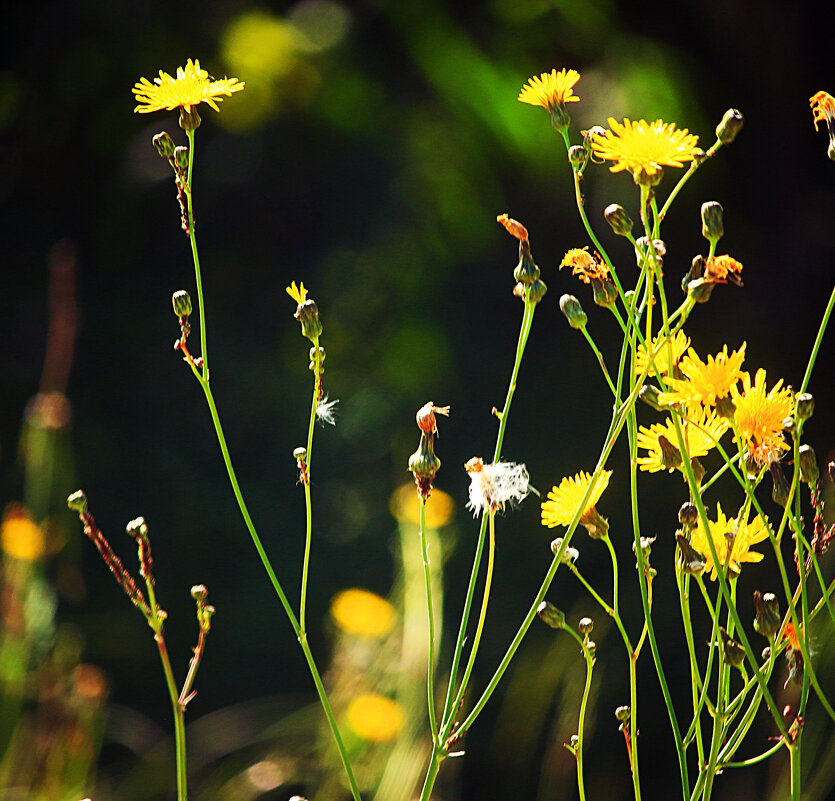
[
  {"x": 179, "y": 718},
  {"x": 430, "y": 615},
  {"x": 816, "y": 347},
  {"x": 581, "y": 721},
  {"x": 197, "y": 276}
]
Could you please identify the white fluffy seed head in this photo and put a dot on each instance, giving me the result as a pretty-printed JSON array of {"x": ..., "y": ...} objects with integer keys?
[
  {"x": 494, "y": 485},
  {"x": 326, "y": 410}
]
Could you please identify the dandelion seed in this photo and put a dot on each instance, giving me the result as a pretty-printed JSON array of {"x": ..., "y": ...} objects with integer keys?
[
  {"x": 326, "y": 410},
  {"x": 494, "y": 485}
]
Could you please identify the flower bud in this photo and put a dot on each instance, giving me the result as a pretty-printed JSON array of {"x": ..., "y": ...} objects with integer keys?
[
  {"x": 690, "y": 560},
  {"x": 670, "y": 454},
  {"x": 696, "y": 271},
  {"x": 585, "y": 625},
  {"x": 181, "y": 301},
  {"x": 526, "y": 271},
  {"x": 767, "y": 618},
  {"x": 560, "y": 118},
  {"x": 573, "y": 311},
  {"x": 733, "y": 651},
  {"x": 725, "y": 407},
  {"x": 809, "y": 472},
  {"x": 623, "y": 713},
  {"x": 307, "y": 313},
  {"x": 300, "y": 454},
  {"x": 569, "y": 555},
  {"x": 536, "y": 291},
  {"x": 577, "y": 156},
  {"x": 164, "y": 144},
  {"x": 700, "y": 290},
  {"x": 780, "y": 488},
  {"x": 713, "y": 227},
  {"x": 649, "y": 393},
  {"x": 688, "y": 515},
  {"x": 199, "y": 592},
  {"x": 312, "y": 354},
  {"x": 591, "y": 645},
  {"x": 804, "y": 405},
  {"x": 189, "y": 118},
  {"x": 77, "y": 502},
  {"x": 423, "y": 464},
  {"x": 729, "y": 126},
  {"x": 181, "y": 158},
  {"x": 698, "y": 469},
  {"x": 605, "y": 293},
  {"x": 137, "y": 528},
  {"x": 550, "y": 615},
  {"x": 617, "y": 217}
]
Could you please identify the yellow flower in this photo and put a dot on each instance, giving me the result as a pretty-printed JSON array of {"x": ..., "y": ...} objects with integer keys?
[
  {"x": 21, "y": 538},
  {"x": 679, "y": 343},
  {"x": 721, "y": 269},
  {"x": 375, "y": 717},
  {"x": 404, "y": 505},
  {"x": 362, "y": 612},
  {"x": 643, "y": 147},
  {"x": 701, "y": 430},
  {"x": 823, "y": 108},
  {"x": 759, "y": 417},
  {"x": 191, "y": 87},
  {"x": 298, "y": 293},
  {"x": 739, "y": 533},
  {"x": 551, "y": 90},
  {"x": 564, "y": 500},
  {"x": 705, "y": 382},
  {"x": 584, "y": 265}
]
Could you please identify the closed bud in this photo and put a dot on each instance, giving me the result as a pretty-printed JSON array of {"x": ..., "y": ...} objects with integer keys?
[
  {"x": 199, "y": 592},
  {"x": 585, "y": 625},
  {"x": 733, "y": 651},
  {"x": 617, "y": 217},
  {"x": 700, "y": 290},
  {"x": 780, "y": 488},
  {"x": 189, "y": 118},
  {"x": 573, "y": 311},
  {"x": 767, "y": 617},
  {"x": 307, "y": 313},
  {"x": 698, "y": 469},
  {"x": 649, "y": 393},
  {"x": 696, "y": 271},
  {"x": 690, "y": 560},
  {"x": 809, "y": 472},
  {"x": 830, "y": 469},
  {"x": 725, "y": 407},
  {"x": 729, "y": 126},
  {"x": 77, "y": 502},
  {"x": 300, "y": 454},
  {"x": 623, "y": 713},
  {"x": 713, "y": 228},
  {"x": 605, "y": 292},
  {"x": 137, "y": 528},
  {"x": 577, "y": 156},
  {"x": 560, "y": 118},
  {"x": 550, "y": 615},
  {"x": 804, "y": 405},
  {"x": 536, "y": 291},
  {"x": 670, "y": 454},
  {"x": 688, "y": 515},
  {"x": 526, "y": 271},
  {"x": 181, "y": 158},
  {"x": 164, "y": 144},
  {"x": 423, "y": 464},
  {"x": 181, "y": 301},
  {"x": 569, "y": 555},
  {"x": 321, "y": 354}
]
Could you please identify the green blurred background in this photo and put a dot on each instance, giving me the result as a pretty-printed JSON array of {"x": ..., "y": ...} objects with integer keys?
[{"x": 368, "y": 157}]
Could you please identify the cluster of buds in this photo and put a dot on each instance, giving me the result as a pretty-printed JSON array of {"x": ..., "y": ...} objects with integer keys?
[
  {"x": 423, "y": 464},
  {"x": 181, "y": 302},
  {"x": 528, "y": 287},
  {"x": 178, "y": 157}
]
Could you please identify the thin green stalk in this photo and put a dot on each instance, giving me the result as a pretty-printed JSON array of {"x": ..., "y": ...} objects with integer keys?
[
  {"x": 753, "y": 760},
  {"x": 696, "y": 683},
  {"x": 581, "y": 721},
  {"x": 430, "y": 615},
  {"x": 600, "y": 361},
  {"x": 193, "y": 240},
  {"x": 818, "y": 339},
  {"x": 633, "y": 724}
]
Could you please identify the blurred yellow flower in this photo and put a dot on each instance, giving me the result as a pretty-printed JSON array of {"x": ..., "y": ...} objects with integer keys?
[
  {"x": 584, "y": 265},
  {"x": 361, "y": 612},
  {"x": 298, "y": 293},
  {"x": 759, "y": 416},
  {"x": 701, "y": 431},
  {"x": 551, "y": 89},
  {"x": 21, "y": 538},
  {"x": 564, "y": 500},
  {"x": 679, "y": 343},
  {"x": 375, "y": 717},
  {"x": 404, "y": 506},
  {"x": 738, "y": 533},
  {"x": 705, "y": 382},
  {"x": 191, "y": 87},
  {"x": 644, "y": 147}
]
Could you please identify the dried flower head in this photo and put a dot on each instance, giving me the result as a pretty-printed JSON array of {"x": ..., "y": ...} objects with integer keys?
[
  {"x": 494, "y": 485},
  {"x": 643, "y": 147},
  {"x": 513, "y": 227},
  {"x": 425, "y": 417},
  {"x": 551, "y": 89},
  {"x": 190, "y": 87},
  {"x": 737, "y": 533},
  {"x": 584, "y": 265},
  {"x": 759, "y": 416},
  {"x": 722, "y": 269},
  {"x": 823, "y": 109},
  {"x": 705, "y": 382}
]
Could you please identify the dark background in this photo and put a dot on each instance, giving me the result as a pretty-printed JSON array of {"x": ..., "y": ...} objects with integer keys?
[{"x": 369, "y": 160}]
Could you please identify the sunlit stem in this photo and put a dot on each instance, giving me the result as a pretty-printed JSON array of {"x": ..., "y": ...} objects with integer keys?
[{"x": 430, "y": 615}]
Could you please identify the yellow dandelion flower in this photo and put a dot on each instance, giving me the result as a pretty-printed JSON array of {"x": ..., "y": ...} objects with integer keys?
[
  {"x": 564, "y": 500},
  {"x": 737, "y": 533},
  {"x": 404, "y": 505},
  {"x": 759, "y": 416},
  {"x": 584, "y": 265},
  {"x": 679, "y": 343},
  {"x": 702, "y": 429},
  {"x": 644, "y": 147},
  {"x": 551, "y": 89},
  {"x": 21, "y": 538},
  {"x": 298, "y": 293},
  {"x": 823, "y": 108},
  {"x": 375, "y": 717},
  {"x": 364, "y": 613},
  {"x": 705, "y": 382},
  {"x": 721, "y": 269},
  {"x": 190, "y": 87}
]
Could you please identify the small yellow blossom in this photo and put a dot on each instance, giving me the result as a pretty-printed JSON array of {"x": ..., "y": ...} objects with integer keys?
[
  {"x": 404, "y": 505},
  {"x": 375, "y": 717},
  {"x": 364, "y": 613},
  {"x": 705, "y": 382},
  {"x": 738, "y": 533},
  {"x": 644, "y": 147},
  {"x": 721, "y": 269},
  {"x": 551, "y": 89},
  {"x": 298, "y": 293},
  {"x": 564, "y": 500},
  {"x": 21, "y": 538},
  {"x": 679, "y": 343},
  {"x": 584, "y": 265},
  {"x": 759, "y": 416},
  {"x": 191, "y": 87},
  {"x": 702, "y": 429},
  {"x": 823, "y": 108}
]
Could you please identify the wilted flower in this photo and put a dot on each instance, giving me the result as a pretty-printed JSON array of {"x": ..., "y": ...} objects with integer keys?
[{"x": 584, "y": 265}]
